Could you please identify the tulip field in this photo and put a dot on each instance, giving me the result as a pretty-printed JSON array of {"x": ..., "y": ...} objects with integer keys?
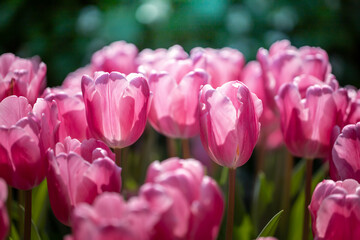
[{"x": 167, "y": 144}]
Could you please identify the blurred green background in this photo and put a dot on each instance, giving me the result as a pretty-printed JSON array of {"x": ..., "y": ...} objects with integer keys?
[{"x": 66, "y": 33}]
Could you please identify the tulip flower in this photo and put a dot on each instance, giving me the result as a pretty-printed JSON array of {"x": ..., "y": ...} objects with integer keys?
[
  {"x": 229, "y": 123},
  {"x": 223, "y": 65},
  {"x": 118, "y": 56},
  {"x": 79, "y": 172},
  {"x": 345, "y": 155},
  {"x": 71, "y": 112},
  {"x": 283, "y": 62},
  {"x": 21, "y": 77},
  {"x": 229, "y": 130},
  {"x": 185, "y": 180},
  {"x": 307, "y": 123},
  {"x": 72, "y": 82},
  {"x": 176, "y": 202},
  {"x": 335, "y": 210},
  {"x": 4, "y": 219},
  {"x": 116, "y": 107},
  {"x": 22, "y": 162}
]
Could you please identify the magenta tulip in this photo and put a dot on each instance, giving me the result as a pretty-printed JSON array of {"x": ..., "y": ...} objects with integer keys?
[
  {"x": 4, "y": 219},
  {"x": 116, "y": 107},
  {"x": 307, "y": 122},
  {"x": 78, "y": 172},
  {"x": 223, "y": 65},
  {"x": 335, "y": 210},
  {"x": 21, "y": 77},
  {"x": 229, "y": 123},
  {"x": 118, "y": 56},
  {"x": 345, "y": 154},
  {"x": 22, "y": 150}
]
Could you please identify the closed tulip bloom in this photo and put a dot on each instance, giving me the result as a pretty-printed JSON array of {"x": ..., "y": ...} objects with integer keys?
[
  {"x": 229, "y": 123},
  {"x": 110, "y": 217},
  {"x": 116, "y": 107},
  {"x": 307, "y": 122},
  {"x": 79, "y": 172},
  {"x": 174, "y": 107},
  {"x": 335, "y": 210},
  {"x": 223, "y": 65},
  {"x": 22, "y": 152},
  {"x": 345, "y": 152},
  {"x": 193, "y": 199},
  {"x": 21, "y": 77},
  {"x": 118, "y": 56},
  {"x": 283, "y": 62},
  {"x": 4, "y": 219},
  {"x": 71, "y": 112},
  {"x": 72, "y": 82}
]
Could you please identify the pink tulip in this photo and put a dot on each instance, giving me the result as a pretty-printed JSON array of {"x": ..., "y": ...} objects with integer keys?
[
  {"x": 22, "y": 150},
  {"x": 4, "y": 219},
  {"x": 116, "y": 107},
  {"x": 223, "y": 65},
  {"x": 345, "y": 152},
  {"x": 307, "y": 123},
  {"x": 270, "y": 135},
  {"x": 229, "y": 123},
  {"x": 118, "y": 56},
  {"x": 176, "y": 202},
  {"x": 174, "y": 108},
  {"x": 266, "y": 238},
  {"x": 283, "y": 62},
  {"x": 110, "y": 217},
  {"x": 185, "y": 180},
  {"x": 79, "y": 172},
  {"x": 335, "y": 210},
  {"x": 71, "y": 112},
  {"x": 21, "y": 77},
  {"x": 72, "y": 82},
  {"x": 149, "y": 60}
]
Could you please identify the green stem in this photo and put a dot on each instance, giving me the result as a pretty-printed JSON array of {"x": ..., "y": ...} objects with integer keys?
[
  {"x": 289, "y": 162},
  {"x": 117, "y": 156},
  {"x": 309, "y": 163},
  {"x": 9, "y": 204},
  {"x": 171, "y": 147},
  {"x": 185, "y": 144},
  {"x": 27, "y": 223},
  {"x": 231, "y": 204}
]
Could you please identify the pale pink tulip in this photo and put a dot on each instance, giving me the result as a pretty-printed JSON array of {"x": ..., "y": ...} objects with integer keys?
[
  {"x": 21, "y": 77},
  {"x": 22, "y": 150},
  {"x": 308, "y": 122},
  {"x": 116, "y": 107},
  {"x": 4, "y": 219},
  {"x": 345, "y": 152},
  {"x": 229, "y": 123},
  {"x": 78, "y": 172},
  {"x": 335, "y": 210},
  {"x": 223, "y": 65},
  {"x": 118, "y": 56},
  {"x": 72, "y": 82}
]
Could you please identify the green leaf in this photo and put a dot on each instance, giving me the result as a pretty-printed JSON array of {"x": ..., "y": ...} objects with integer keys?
[
  {"x": 271, "y": 226},
  {"x": 262, "y": 199},
  {"x": 297, "y": 179},
  {"x": 39, "y": 198},
  {"x": 14, "y": 235},
  {"x": 245, "y": 230}
]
